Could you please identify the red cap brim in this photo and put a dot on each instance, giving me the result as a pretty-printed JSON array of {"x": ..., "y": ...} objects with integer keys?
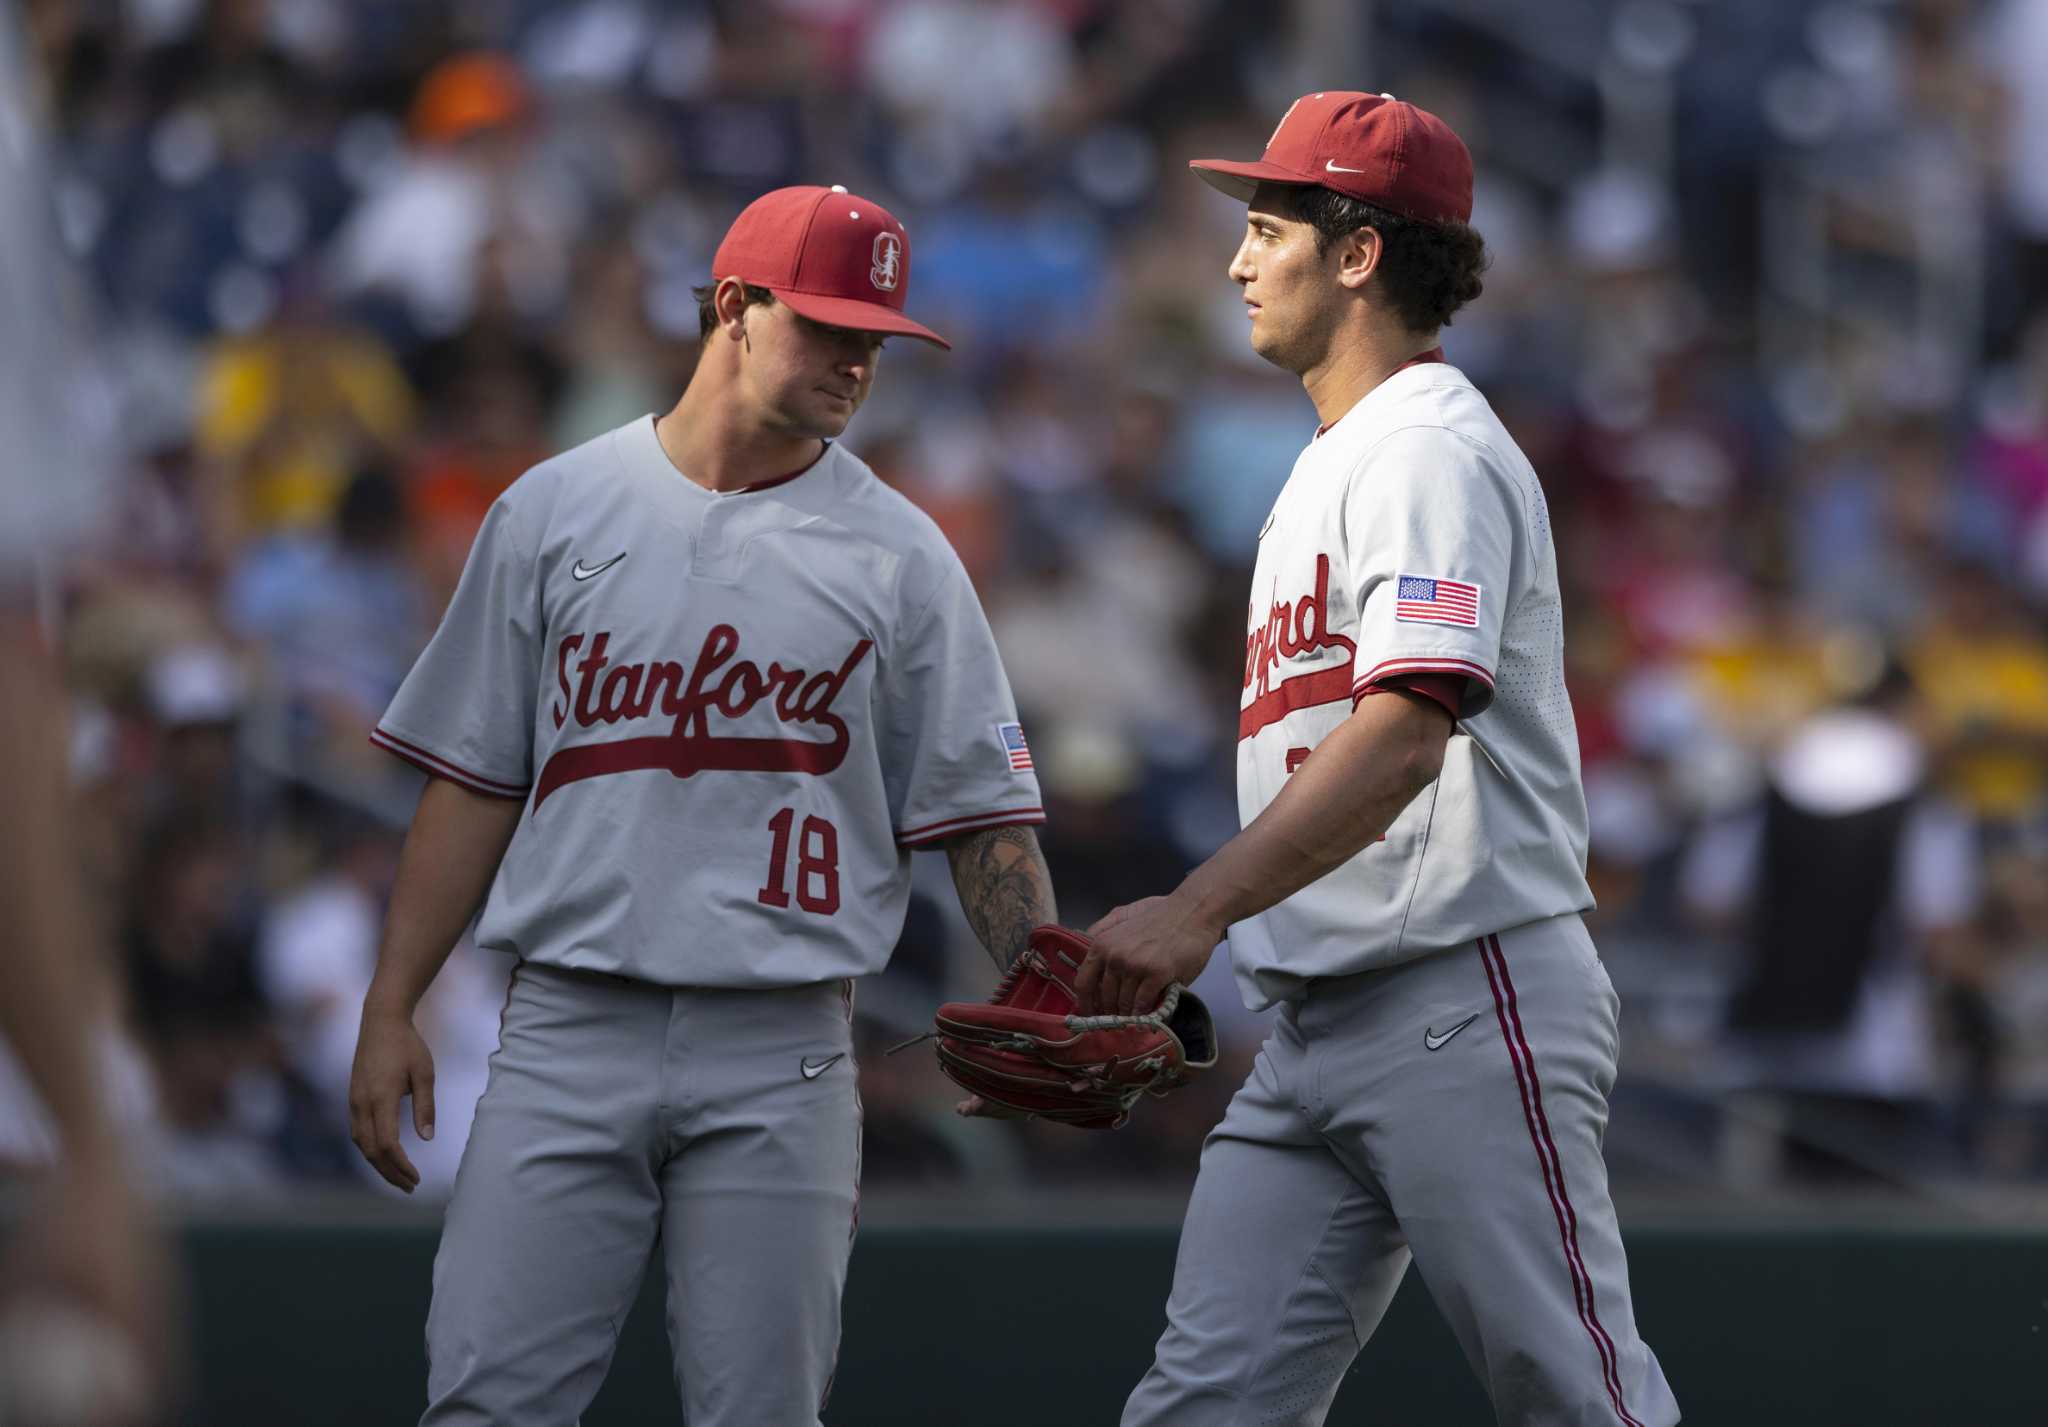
[
  {"x": 1240, "y": 179},
  {"x": 861, "y": 316}
]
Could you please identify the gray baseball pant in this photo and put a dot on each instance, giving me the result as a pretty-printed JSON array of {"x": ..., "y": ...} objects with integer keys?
[
  {"x": 1451, "y": 1110},
  {"x": 620, "y": 1116}
]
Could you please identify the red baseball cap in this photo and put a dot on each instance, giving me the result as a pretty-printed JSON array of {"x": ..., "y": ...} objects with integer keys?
[
  {"x": 1371, "y": 147},
  {"x": 833, "y": 256}
]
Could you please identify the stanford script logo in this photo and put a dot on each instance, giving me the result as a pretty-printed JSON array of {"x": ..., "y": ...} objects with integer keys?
[
  {"x": 717, "y": 686},
  {"x": 1292, "y": 630}
]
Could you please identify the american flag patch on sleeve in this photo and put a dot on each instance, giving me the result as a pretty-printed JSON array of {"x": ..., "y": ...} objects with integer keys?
[
  {"x": 1425, "y": 599},
  {"x": 1015, "y": 748}
]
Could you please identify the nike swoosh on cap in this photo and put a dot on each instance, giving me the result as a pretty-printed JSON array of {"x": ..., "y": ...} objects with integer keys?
[{"x": 1334, "y": 167}]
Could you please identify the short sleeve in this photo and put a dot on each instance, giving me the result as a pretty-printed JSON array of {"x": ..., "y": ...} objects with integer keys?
[
  {"x": 1446, "y": 691},
  {"x": 466, "y": 710},
  {"x": 1430, "y": 535},
  {"x": 955, "y": 758}
]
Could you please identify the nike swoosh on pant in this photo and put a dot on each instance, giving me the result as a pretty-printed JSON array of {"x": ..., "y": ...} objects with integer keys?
[{"x": 1432, "y": 1041}]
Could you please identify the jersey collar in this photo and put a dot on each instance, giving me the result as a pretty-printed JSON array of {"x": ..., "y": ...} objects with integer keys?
[
  {"x": 645, "y": 443},
  {"x": 774, "y": 481},
  {"x": 1434, "y": 354}
]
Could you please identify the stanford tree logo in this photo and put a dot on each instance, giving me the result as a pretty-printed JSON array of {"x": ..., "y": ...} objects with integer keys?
[{"x": 888, "y": 266}]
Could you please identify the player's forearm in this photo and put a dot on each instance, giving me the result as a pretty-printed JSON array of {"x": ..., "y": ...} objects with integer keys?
[
  {"x": 1342, "y": 799},
  {"x": 43, "y": 1013},
  {"x": 451, "y": 854},
  {"x": 1005, "y": 888}
]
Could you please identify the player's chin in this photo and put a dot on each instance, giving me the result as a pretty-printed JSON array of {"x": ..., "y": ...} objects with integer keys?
[
  {"x": 829, "y": 413},
  {"x": 1275, "y": 349}
]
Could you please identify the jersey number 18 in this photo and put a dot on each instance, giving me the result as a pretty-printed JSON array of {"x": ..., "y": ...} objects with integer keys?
[{"x": 817, "y": 865}]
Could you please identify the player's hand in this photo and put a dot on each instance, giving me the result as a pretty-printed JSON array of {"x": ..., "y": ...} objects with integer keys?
[
  {"x": 976, "y": 1108},
  {"x": 1140, "y": 949},
  {"x": 392, "y": 1061},
  {"x": 87, "y": 1281}
]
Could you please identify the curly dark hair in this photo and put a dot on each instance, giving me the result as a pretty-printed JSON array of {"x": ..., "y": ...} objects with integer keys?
[
  {"x": 707, "y": 315},
  {"x": 1430, "y": 269}
]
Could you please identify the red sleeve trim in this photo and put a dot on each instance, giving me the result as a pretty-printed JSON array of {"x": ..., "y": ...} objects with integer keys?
[
  {"x": 440, "y": 767},
  {"x": 1420, "y": 666},
  {"x": 1446, "y": 691},
  {"x": 932, "y": 832}
]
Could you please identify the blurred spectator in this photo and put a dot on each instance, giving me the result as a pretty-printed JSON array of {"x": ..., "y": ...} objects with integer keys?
[
  {"x": 2012, "y": 454},
  {"x": 1983, "y": 662},
  {"x": 2010, "y": 1138},
  {"x": 291, "y": 412},
  {"x": 1772, "y": 669},
  {"x": 1637, "y": 307},
  {"x": 619, "y": 366},
  {"x": 316, "y": 950},
  {"x": 203, "y": 1016},
  {"x": 1858, "y": 891},
  {"x": 317, "y": 946},
  {"x": 2015, "y": 35},
  {"x": 1238, "y": 442},
  {"x": 1880, "y": 526},
  {"x": 196, "y": 700},
  {"x": 489, "y": 401},
  {"x": 339, "y": 614},
  {"x": 465, "y": 220},
  {"x": 969, "y": 73},
  {"x": 1135, "y": 584},
  {"x": 1021, "y": 267}
]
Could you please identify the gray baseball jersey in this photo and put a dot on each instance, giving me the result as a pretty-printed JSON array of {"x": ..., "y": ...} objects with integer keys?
[
  {"x": 731, "y": 715},
  {"x": 1412, "y": 537}
]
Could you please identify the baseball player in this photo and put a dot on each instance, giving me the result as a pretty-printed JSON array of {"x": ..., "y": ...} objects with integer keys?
[
  {"x": 1409, "y": 883},
  {"x": 704, "y": 684},
  {"x": 85, "y": 1331}
]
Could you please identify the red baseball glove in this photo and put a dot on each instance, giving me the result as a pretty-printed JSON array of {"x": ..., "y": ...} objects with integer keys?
[{"x": 1026, "y": 1049}]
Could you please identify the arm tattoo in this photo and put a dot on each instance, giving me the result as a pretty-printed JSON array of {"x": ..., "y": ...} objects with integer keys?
[{"x": 1004, "y": 886}]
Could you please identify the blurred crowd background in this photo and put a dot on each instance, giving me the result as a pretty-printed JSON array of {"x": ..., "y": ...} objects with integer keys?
[{"x": 1768, "y": 310}]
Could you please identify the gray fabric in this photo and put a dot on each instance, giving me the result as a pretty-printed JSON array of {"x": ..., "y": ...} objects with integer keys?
[
  {"x": 662, "y": 673},
  {"x": 62, "y": 455},
  {"x": 1354, "y": 1147},
  {"x": 622, "y": 1119},
  {"x": 1419, "y": 479}
]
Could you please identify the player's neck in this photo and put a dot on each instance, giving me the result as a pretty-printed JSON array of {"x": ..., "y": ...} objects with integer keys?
[
  {"x": 708, "y": 437},
  {"x": 1357, "y": 362}
]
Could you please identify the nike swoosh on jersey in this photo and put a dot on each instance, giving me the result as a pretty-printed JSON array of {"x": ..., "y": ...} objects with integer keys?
[
  {"x": 812, "y": 1069},
  {"x": 581, "y": 571},
  {"x": 1432, "y": 1041}
]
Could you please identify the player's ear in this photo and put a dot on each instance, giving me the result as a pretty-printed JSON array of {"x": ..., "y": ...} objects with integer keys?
[
  {"x": 1358, "y": 256},
  {"x": 729, "y": 304}
]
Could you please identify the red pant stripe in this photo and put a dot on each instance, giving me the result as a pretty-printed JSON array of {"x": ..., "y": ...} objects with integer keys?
[{"x": 1524, "y": 1061}]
